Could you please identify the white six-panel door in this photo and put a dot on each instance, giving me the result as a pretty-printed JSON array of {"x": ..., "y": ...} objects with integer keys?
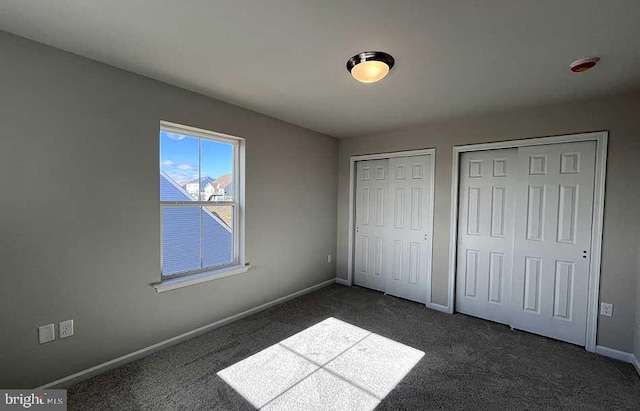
[
  {"x": 371, "y": 223},
  {"x": 393, "y": 222},
  {"x": 554, "y": 203},
  {"x": 485, "y": 234},
  {"x": 524, "y": 233}
]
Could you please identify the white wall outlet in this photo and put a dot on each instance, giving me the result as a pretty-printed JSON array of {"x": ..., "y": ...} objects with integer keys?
[
  {"x": 606, "y": 309},
  {"x": 46, "y": 333},
  {"x": 329, "y": 258},
  {"x": 65, "y": 329}
]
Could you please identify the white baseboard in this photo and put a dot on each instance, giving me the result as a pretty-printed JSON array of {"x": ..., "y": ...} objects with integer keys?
[
  {"x": 439, "y": 307},
  {"x": 342, "y": 281},
  {"x": 619, "y": 355},
  {"x": 615, "y": 354},
  {"x": 117, "y": 362}
]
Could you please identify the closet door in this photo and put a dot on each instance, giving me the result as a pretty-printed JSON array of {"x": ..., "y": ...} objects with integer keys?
[
  {"x": 371, "y": 223},
  {"x": 393, "y": 226},
  {"x": 485, "y": 234},
  {"x": 553, "y": 239},
  {"x": 409, "y": 227}
]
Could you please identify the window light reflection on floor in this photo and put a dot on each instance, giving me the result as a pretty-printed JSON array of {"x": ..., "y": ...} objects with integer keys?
[{"x": 331, "y": 365}]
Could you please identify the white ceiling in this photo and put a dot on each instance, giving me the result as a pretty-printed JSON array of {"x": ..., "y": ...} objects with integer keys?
[{"x": 286, "y": 58}]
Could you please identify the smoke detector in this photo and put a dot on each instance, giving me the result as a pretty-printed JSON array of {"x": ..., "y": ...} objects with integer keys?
[{"x": 583, "y": 64}]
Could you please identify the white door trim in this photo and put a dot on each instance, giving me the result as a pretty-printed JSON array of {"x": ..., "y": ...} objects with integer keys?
[
  {"x": 601, "y": 138},
  {"x": 352, "y": 209}
]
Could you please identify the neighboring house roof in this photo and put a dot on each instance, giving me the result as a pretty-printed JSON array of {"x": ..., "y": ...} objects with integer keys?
[
  {"x": 170, "y": 190},
  {"x": 223, "y": 181},
  {"x": 180, "y": 249}
]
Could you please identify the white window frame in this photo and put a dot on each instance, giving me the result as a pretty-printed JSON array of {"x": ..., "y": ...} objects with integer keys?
[{"x": 238, "y": 203}]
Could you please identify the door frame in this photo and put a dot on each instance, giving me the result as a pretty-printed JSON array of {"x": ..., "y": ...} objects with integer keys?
[
  {"x": 352, "y": 207},
  {"x": 601, "y": 139}
]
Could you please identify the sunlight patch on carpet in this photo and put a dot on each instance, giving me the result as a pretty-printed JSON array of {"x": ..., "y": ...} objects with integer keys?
[{"x": 331, "y": 365}]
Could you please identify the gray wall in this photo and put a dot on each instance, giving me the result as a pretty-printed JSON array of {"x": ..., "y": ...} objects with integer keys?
[
  {"x": 79, "y": 213},
  {"x": 619, "y": 115}
]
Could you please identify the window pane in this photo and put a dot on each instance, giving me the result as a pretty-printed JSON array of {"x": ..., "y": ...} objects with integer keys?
[
  {"x": 179, "y": 173},
  {"x": 217, "y": 171},
  {"x": 217, "y": 235},
  {"x": 180, "y": 239}
]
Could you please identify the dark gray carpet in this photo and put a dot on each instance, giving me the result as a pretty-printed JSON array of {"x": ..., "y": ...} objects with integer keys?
[{"x": 469, "y": 363}]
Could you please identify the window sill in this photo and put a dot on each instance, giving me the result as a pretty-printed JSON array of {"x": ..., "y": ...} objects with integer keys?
[{"x": 188, "y": 280}]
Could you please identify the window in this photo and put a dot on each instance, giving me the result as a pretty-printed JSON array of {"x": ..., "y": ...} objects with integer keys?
[{"x": 201, "y": 204}]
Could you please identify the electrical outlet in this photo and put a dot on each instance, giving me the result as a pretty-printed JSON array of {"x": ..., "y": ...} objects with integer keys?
[
  {"x": 606, "y": 309},
  {"x": 329, "y": 258},
  {"x": 66, "y": 329},
  {"x": 46, "y": 333}
]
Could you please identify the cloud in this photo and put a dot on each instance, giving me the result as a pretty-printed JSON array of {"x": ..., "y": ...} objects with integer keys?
[
  {"x": 174, "y": 136},
  {"x": 170, "y": 164},
  {"x": 180, "y": 172},
  {"x": 182, "y": 177}
]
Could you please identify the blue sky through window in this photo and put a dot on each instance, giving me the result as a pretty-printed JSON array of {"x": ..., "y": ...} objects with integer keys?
[{"x": 179, "y": 157}]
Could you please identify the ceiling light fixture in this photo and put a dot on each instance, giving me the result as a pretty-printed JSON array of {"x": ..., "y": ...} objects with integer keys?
[
  {"x": 370, "y": 66},
  {"x": 584, "y": 64}
]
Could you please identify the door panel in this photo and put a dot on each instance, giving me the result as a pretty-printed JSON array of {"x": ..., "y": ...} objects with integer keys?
[
  {"x": 393, "y": 198},
  {"x": 410, "y": 258},
  {"x": 551, "y": 261},
  {"x": 370, "y": 249},
  {"x": 485, "y": 234},
  {"x": 524, "y": 234}
]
